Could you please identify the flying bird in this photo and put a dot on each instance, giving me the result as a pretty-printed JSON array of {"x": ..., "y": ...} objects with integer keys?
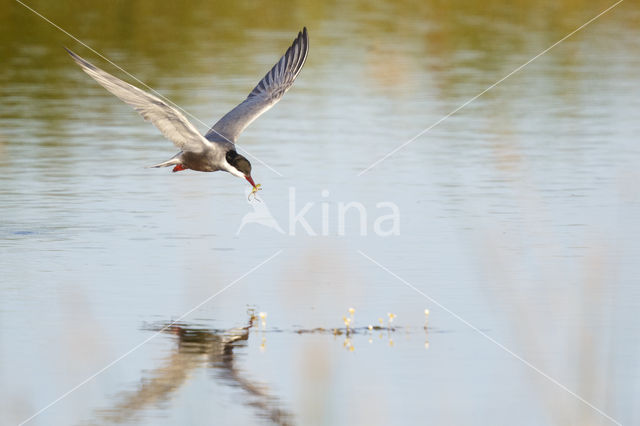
[{"x": 216, "y": 149}]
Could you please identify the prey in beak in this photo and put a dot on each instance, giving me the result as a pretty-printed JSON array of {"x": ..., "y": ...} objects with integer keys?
[
  {"x": 240, "y": 166},
  {"x": 255, "y": 189}
]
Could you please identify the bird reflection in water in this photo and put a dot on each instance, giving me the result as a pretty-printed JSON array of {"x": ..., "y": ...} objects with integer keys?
[{"x": 197, "y": 348}]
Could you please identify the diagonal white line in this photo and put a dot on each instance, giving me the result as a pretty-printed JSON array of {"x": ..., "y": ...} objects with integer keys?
[
  {"x": 491, "y": 339},
  {"x": 147, "y": 86},
  {"x": 399, "y": 147},
  {"x": 136, "y": 347}
]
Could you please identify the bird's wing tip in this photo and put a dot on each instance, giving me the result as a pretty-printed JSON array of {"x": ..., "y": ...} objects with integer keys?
[
  {"x": 73, "y": 54},
  {"x": 81, "y": 61}
]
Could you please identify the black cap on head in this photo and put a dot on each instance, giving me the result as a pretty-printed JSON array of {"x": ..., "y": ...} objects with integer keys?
[{"x": 239, "y": 162}]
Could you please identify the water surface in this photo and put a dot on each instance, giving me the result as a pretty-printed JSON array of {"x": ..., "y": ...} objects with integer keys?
[{"x": 519, "y": 214}]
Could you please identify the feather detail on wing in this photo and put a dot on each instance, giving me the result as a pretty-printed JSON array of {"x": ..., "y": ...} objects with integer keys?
[
  {"x": 265, "y": 95},
  {"x": 173, "y": 125}
]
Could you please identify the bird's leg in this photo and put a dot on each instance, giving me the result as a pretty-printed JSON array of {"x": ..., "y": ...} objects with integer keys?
[{"x": 178, "y": 167}]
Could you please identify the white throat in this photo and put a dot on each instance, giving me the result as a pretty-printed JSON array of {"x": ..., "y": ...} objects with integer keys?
[{"x": 229, "y": 168}]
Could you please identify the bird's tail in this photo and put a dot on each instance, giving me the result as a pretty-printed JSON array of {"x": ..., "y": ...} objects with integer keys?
[{"x": 170, "y": 162}]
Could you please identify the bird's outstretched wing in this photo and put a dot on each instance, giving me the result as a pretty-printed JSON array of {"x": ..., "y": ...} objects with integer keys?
[
  {"x": 265, "y": 95},
  {"x": 173, "y": 125}
]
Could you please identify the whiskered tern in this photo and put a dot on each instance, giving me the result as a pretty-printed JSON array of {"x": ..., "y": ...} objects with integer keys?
[{"x": 216, "y": 149}]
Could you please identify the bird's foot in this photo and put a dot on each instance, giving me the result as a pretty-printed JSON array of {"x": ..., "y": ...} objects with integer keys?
[{"x": 178, "y": 167}]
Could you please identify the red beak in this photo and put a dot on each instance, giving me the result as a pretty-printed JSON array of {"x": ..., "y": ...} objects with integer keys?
[{"x": 250, "y": 179}]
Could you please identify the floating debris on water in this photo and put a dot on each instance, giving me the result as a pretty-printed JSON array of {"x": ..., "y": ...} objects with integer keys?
[
  {"x": 347, "y": 323},
  {"x": 263, "y": 319},
  {"x": 349, "y": 331},
  {"x": 347, "y": 344}
]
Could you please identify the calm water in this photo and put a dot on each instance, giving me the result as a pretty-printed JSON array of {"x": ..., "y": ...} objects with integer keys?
[{"x": 518, "y": 215}]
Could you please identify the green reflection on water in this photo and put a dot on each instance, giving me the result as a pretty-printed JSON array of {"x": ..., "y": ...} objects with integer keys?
[{"x": 158, "y": 41}]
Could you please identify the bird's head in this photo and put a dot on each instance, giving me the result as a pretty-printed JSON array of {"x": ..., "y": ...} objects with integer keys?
[{"x": 240, "y": 166}]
